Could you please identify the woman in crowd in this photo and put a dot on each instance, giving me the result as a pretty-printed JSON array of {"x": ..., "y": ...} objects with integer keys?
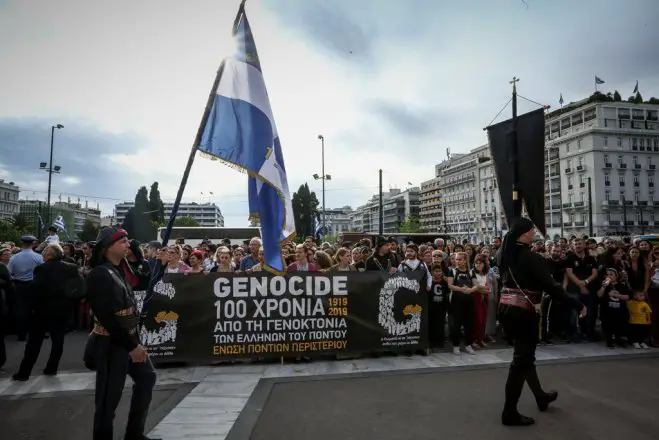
[
  {"x": 223, "y": 261},
  {"x": 322, "y": 260},
  {"x": 196, "y": 262},
  {"x": 461, "y": 284},
  {"x": 174, "y": 262},
  {"x": 343, "y": 261},
  {"x": 613, "y": 309},
  {"x": 637, "y": 271},
  {"x": 480, "y": 275},
  {"x": 258, "y": 267}
]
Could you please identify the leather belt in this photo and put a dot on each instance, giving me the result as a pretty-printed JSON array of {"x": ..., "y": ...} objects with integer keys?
[
  {"x": 130, "y": 322},
  {"x": 526, "y": 299}
]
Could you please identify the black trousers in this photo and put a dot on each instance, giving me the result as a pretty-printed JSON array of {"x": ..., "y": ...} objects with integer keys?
[
  {"x": 614, "y": 323},
  {"x": 37, "y": 333},
  {"x": 18, "y": 305},
  {"x": 436, "y": 323},
  {"x": 639, "y": 333},
  {"x": 523, "y": 326},
  {"x": 462, "y": 317},
  {"x": 112, "y": 365}
]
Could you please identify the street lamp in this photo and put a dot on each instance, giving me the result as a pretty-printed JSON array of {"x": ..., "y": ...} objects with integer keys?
[
  {"x": 324, "y": 176},
  {"x": 50, "y": 170}
]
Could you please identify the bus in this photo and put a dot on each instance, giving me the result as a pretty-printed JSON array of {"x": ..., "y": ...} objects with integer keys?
[
  {"x": 194, "y": 235},
  {"x": 401, "y": 237}
]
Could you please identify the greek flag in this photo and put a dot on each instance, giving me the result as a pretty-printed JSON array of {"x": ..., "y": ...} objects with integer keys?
[
  {"x": 598, "y": 80},
  {"x": 317, "y": 228},
  {"x": 240, "y": 131},
  {"x": 59, "y": 223}
]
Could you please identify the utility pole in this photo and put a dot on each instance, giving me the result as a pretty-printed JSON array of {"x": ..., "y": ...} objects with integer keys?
[
  {"x": 323, "y": 177},
  {"x": 517, "y": 199},
  {"x": 624, "y": 212},
  {"x": 50, "y": 168},
  {"x": 381, "y": 212},
  {"x": 590, "y": 208}
]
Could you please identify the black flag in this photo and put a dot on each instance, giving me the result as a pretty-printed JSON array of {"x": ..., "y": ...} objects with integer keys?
[{"x": 530, "y": 164}]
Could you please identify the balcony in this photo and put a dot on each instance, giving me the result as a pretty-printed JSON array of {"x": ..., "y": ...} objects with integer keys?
[
  {"x": 581, "y": 168},
  {"x": 622, "y": 166},
  {"x": 637, "y": 166},
  {"x": 643, "y": 223},
  {"x": 614, "y": 222},
  {"x": 579, "y": 224},
  {"x": 582, "y": 185},
  {"x": 629, "y": 202},
  {"x": 608, "y": 165},
  {"x": 567, "y": 205},
  {"x": 579, "y": 204},
  {"x": 567, "y": 224},
  {"x": 652, "y": 167},
  {"x": 568, "y": 170},
  {"x": 642, "y": 203},
  {"x": 629, "y": 223}
]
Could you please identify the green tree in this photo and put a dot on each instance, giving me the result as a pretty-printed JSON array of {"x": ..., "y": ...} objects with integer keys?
[
  {"x": 305, "y": 208},
  {"x": 410, "y": 225},
  {"x": 21, "y": 223},
  {"x": 8, "y": 232},
  {"x": 636, "y": 99},
  {"x": 89, "y": 231},
  {"x": 186, "y": 221},
  {"x": 156, "y": 207},
  {"x": 617, "y": 97},
  {"x": 653, "y": 100}
]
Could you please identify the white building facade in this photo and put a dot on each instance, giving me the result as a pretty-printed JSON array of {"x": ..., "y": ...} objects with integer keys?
[
  {"x": 9, "y": 205},
  {"x": 397, "y": 205},
  {"x": 615, "y": 145},
  {"x": 337, "y": 220},
  {"x": 207, "y": 214}
]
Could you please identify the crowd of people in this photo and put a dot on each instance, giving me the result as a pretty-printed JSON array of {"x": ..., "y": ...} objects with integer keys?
[{"x": 617, "y": 281}]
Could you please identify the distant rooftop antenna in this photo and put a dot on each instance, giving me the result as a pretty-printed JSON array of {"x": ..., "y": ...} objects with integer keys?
[{"x": 448, "y": 153}]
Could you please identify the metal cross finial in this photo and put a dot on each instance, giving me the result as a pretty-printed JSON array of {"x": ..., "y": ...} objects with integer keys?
[{"x": 514, "y": 82}]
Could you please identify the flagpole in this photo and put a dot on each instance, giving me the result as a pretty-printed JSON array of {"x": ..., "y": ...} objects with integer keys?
[
  {"x": 200, "y": 133},
  {"x": 517, "y": 200}
]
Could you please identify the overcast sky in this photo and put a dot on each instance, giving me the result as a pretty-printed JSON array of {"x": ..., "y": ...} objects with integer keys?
[{"x": 390, "y": 84}]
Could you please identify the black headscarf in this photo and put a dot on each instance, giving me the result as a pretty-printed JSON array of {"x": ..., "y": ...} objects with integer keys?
[{"x": 510, "y": 248}]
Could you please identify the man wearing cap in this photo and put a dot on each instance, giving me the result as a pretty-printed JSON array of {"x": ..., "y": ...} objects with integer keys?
[
  {"x": 413, "y": 264},
  {"x": 113, "y": 349},
  {"x": 381, "y": 259},
  {"x": 21, "y": 269}
]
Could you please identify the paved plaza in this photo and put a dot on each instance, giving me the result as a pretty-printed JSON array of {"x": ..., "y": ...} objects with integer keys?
[{"x": 603, "y": 393}]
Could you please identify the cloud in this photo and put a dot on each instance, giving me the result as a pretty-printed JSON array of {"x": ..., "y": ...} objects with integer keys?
[
  {"x": 83, "y": 152},
  {"x": 404, "y": 119},
  {"x": 331, "y": 27}
]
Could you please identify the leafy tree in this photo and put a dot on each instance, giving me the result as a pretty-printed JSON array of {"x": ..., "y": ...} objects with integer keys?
[
  {"x": 617, "y": 97},
  {"x": 636, "y": 99},
  {"x": 8, "y": 232},
  {"x": 156, "y": 207},
  {"x": 653, "y": 100},
  {"x": 21, "y": 223},
  {"x": 305, "y": 208},
  {"x": 186, "y": 221},
  {"x": 410, "y": 225},
  {"x": 89, "y": 231}
]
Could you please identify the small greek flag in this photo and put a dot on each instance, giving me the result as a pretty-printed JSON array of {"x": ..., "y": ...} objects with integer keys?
[
  {"x": 598, "y": 80},
  {"x": 560, "y": 100},
  {"x": 59, "y": 223}
]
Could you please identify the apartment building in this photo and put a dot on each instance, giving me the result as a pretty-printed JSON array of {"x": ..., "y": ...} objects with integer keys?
[
  {"x": 207, "y": 214},
  {"x": 397, "y": 207}
]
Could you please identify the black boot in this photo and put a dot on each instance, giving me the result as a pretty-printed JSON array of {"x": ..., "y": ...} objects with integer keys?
[
  {"x": 541, "y": 398},
  {"x": 514, "y": 386}
]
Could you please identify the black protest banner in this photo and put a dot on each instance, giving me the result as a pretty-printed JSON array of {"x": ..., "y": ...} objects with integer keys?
[{"x": 201, "y": 318}]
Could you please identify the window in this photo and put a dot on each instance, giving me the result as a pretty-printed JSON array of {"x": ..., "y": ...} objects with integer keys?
[
  {"x": 649, "y": 160},
  {"x": 570, "y": 180},
  {"x": 621, "y": 178},
  {"x": 570, "y": 198},
  {"x": 650, "y": 180},
  {"x": 579, "y": 144},
  {"x": 607, "y": 195},
  {"x": 635, "y": 159},
  {"x": 606, "y": 158},
  {"x": 637, "y": 196},
  {"x": 567, "y": 147},
  {"x": 638, "y": 216},
  {"x": 569, "y": 163},
  {"x": 641, "y": 143},
  {"x": 582, "y": 196},
  {"x": 571, "y": 218},
  {"x": 622, "y": 197},
  {"x": 637, "y": 180},
  {"x": 634, "y": 143},
  {"x": 619, "y": 142},
  {"x": 606, "y": 141},
  {"x": 580, "y": 161},
  {"x": 619, "y": 160},
  {"x": 607, "y": 182}
]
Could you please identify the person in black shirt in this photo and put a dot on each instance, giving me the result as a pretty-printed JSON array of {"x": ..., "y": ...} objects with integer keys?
[
  {"x": 437, "y": 305},
  {"x": 614, "y": 314},
  {"x": 381, "y": 259},
  {"x": 524, "y": 275},
  {"x": 114, "y": 349},
  {"x": 581, "y": 270}
]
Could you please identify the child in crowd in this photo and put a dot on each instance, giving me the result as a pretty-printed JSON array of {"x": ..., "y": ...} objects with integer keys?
[
  {"x": 613, "y": 308},
  {"x": 437, "y": 302},
  {"x": 639, "y": 320}
]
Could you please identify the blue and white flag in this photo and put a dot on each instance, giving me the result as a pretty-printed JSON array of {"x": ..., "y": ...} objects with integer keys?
[
  {"x": 598, "y": 80},
  {"x": 317, "y": 228},
  {"x": 240, "y": 131},
  {"x": 59, "y": 223}
]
